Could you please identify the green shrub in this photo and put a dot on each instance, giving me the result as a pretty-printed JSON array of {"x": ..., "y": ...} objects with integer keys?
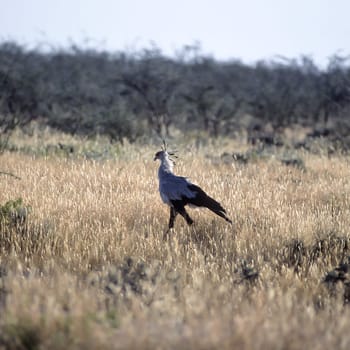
[{"x": 13, "y": 213}]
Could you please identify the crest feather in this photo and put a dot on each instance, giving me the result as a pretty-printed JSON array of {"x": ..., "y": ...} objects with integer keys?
[{"x": 164, "y": 148}]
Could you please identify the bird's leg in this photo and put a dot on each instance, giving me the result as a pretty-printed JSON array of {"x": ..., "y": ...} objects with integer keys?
[
  {"x": 187, "y": 217},
  {"x": 172, "y": 218},
  {"x": 173, "y": 214},
  {"x": 182, "y": 211}
]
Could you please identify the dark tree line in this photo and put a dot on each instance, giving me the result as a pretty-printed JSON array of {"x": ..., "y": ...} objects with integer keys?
[{"x": 129, "y": 95}]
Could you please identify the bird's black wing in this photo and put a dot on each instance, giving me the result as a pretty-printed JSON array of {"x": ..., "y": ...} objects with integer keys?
[{"x": 201, "y": 199}]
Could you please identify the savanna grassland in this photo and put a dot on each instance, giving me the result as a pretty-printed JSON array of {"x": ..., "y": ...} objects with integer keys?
[{"x": 83, "y": 262}]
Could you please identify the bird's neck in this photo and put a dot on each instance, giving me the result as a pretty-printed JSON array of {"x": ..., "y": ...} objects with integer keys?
[{"x": 166, "y": 166}]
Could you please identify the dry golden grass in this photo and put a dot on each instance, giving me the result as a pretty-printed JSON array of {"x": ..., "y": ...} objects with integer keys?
[{"x": 89, "y": 268}]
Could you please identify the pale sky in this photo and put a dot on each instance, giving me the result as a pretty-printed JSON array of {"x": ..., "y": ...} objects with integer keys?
[{"x": 249, "y": 30}]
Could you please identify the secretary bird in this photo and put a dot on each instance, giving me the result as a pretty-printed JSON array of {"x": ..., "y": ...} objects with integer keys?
[{"x": 178, "y": 191}]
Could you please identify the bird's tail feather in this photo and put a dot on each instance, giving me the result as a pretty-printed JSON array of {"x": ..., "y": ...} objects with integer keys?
[{"x": 203, "y": 200}]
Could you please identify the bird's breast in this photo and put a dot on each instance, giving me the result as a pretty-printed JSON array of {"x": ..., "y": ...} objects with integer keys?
[{"x": 164, "y": 198}]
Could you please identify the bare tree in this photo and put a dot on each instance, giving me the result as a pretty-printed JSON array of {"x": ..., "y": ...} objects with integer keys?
[{"x": 153, "y": 80}]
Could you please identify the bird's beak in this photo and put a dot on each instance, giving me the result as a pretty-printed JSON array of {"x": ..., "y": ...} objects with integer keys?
[{"x": 155, "y": 158}]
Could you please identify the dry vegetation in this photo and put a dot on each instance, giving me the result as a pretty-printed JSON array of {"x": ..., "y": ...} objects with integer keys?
[{"x": 84, "y": 265}]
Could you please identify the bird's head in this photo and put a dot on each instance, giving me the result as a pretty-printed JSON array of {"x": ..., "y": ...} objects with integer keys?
[
  {"x": 161, "y": 155},
  {"x": 164, "y": 154}
]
